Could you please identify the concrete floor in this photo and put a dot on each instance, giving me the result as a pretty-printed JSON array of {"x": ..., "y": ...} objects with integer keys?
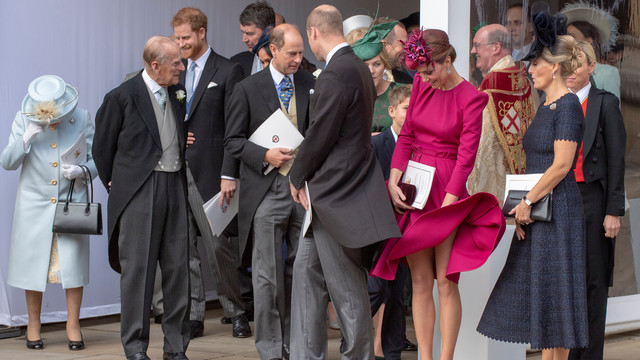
[{"x": 102, "y": 339}]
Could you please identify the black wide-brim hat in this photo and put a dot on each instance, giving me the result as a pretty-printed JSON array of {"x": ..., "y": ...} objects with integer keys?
[{"x": 546, "y": 29}]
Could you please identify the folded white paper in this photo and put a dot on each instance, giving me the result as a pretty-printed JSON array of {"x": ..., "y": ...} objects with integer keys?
[
  {"x": 277, "y": 131},
  {"x": 220, "y": 217},
  {"x": 520, "y": 182},
  {"x": 77, "y": 153},
  {"x": 421, "y": 176},
  {"x": 308, "y": 214}
]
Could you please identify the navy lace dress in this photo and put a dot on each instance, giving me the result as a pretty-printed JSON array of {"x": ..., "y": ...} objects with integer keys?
[{"x": 540, "y": 296}]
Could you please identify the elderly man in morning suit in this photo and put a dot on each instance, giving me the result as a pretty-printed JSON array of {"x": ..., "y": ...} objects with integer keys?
[
  {"x": 506, "y": 117},
  {"x": 209, "y": 81},
  {"x": 267, "y": 213},
  {"x": 351, "y": 208},
  {"x": 139, "y": 153}
]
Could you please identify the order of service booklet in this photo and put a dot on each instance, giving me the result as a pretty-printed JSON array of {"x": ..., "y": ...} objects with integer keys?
[
  {"x": 277, "y": 131},
  {"x": 220, "y": 217},
  {"x": 421, "y": 176}
]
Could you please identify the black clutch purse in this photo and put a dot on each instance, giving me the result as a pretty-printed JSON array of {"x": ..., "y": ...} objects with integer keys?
[
  {"x": 540, "y": 211},
  {"x": 79, "y": 218}
]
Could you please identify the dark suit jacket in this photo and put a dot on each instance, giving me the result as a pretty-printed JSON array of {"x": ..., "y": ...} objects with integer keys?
[
  {"x": 604, "y": 147},
  {"x": 206, "y": 120},
  {"x": 383, "y": 146},
  {"x": 253, "y": 100},
  {"x": 346, "y": 186},
  {"x": 127, "y": 147},
  {"x": 245, "y": 60}
]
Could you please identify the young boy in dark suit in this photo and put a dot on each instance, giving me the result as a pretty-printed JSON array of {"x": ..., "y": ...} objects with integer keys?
[{"x": 385, "y": 295}]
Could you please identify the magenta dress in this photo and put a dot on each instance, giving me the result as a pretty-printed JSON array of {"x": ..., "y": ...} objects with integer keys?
[{"x": 442, "y": 129}]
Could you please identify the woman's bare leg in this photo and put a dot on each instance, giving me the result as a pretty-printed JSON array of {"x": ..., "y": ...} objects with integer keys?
[
  {"x": 424, "y": 312},
  {"x": 450, "y": 303}
]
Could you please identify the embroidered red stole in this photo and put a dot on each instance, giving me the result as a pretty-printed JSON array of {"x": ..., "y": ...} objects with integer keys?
[{"x": 511, "y": 110}]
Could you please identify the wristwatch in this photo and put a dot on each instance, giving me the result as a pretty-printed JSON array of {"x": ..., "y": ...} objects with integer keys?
[{"x": 526, "y": 200}]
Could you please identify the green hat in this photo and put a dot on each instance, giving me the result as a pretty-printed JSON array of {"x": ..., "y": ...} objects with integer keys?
[{"x": 371, "y": 44}]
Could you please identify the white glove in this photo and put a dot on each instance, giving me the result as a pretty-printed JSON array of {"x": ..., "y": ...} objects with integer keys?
[
  {"x": 72, "y": 171},
  {"x": 32, "y": 130}
]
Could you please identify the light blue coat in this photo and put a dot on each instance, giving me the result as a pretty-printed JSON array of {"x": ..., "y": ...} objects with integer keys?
[
  {"x": 40, "y": 188},
  {"x": 607, "y": 78}
]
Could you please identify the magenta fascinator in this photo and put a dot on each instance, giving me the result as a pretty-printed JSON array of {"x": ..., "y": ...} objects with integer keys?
[{"x": 416, "y": 50}]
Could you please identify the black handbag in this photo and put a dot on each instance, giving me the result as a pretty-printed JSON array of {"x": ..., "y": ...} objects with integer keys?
[
  {"x": 79, "y": 217},
  {"x": 540, "y": 210}
]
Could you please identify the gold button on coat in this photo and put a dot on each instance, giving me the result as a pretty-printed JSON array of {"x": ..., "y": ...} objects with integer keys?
[
  {"x": 54, "y": 164},
  {"x": 54, "y": 145},
  {"x": 53, "y": 200},
  {"x": 54, "y": 182}
]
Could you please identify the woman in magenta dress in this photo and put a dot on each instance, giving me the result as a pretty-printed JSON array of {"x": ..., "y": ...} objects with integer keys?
[{"x": 454, "y": 232}]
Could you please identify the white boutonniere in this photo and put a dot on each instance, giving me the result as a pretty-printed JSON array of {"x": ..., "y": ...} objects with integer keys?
[
  {"x": 311, "y": 91},
  {"x": 180, "y": 95},
  {"x": 317, "y": 73},
  {"x": 211, "y": 84}
]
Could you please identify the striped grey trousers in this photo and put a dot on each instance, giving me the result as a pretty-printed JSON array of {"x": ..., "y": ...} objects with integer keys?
[{"x": 222, "y": 252}]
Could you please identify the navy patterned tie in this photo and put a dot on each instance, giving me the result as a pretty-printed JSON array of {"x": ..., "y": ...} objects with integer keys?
[{"x": 286, "y": 91}]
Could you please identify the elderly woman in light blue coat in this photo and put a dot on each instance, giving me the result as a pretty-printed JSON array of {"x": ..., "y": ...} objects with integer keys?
[{"x": 47, "y": 125}]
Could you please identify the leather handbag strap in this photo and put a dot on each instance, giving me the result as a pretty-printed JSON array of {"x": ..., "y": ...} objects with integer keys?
[
  {"x": 87, "y": 176},
  {"x": 88, "y": 180},
  {"x": 69, "y": 195}
]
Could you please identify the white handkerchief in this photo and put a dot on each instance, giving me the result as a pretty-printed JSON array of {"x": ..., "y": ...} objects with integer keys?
[{"x": 211, "y": 84}]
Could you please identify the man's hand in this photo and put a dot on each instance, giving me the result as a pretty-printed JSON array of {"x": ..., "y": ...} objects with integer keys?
[
  {"x": 300, "y": 196},
  {"x": 227, "y": 190},
  {"x": 278, "y": 156},
  {"x": 611, "y": 226},
  {"x": 190, "y": 138}
]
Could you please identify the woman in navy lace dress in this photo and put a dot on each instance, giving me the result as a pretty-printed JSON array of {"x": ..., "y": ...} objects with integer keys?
[{"x": 540, "y": 296}]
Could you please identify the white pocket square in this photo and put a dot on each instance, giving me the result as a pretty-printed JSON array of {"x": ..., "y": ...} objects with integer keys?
[
  {"x": 211, "y": 84},
  {"x": 311, "y": 91}
]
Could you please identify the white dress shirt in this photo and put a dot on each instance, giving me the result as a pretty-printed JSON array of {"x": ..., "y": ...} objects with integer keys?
[
  {"x": 333, "y": 51},
  {"x": 583, "y": 93},
  {"x": 151, "y": 84}
]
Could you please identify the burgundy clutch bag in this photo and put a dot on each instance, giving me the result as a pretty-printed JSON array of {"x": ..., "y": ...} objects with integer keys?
[{"x": 409, "y": 191}]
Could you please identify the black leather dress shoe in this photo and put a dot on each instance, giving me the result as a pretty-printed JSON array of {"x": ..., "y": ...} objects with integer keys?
[
  {"x": 34, "y": 345},
  {"x": 138, "y": 356},
  {"x": 249, "y": 315},
  {"x": 409, "y": 346},
  {"x": 197, "y": 328},
  {"x": 174, "y": 356},
  {"x": 241, "y": 328},
  {"x": 76, "y": 345},
  {"x": 226, "y": 320}
]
